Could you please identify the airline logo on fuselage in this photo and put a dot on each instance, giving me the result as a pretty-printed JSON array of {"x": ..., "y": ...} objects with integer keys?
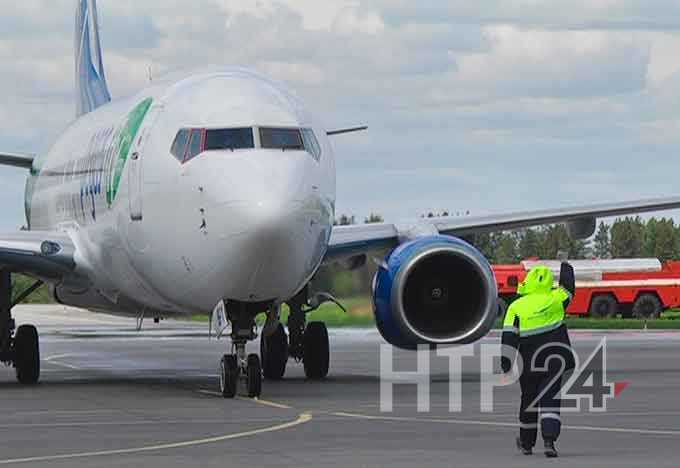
[
  {"x": 125, "y": 141},
  {"x": 92, "y": 181}
]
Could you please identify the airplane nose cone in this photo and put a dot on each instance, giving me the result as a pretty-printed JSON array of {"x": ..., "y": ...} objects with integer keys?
[
  {"x": 264, "y": 223},
  {"x": 274, "y": 247}
]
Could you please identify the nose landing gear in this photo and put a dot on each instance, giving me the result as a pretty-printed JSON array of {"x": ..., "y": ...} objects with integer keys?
[
  {"x": 237, "y": 366},
  {"x": 305, "y": 342}
]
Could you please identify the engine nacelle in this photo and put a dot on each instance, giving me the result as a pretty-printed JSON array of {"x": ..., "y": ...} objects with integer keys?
[{"x": 436, "y": 290}]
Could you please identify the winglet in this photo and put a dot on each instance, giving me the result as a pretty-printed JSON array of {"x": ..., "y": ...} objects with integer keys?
[{"x": 91, "y": 88}]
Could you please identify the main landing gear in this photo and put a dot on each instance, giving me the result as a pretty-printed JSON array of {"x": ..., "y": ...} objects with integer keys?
[
  {"x": 19, "y": 348},
  {"x": 305, "y": 342}
]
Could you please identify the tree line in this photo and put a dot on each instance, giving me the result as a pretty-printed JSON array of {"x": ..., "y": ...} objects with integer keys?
[{"x": 630, "y": 237}]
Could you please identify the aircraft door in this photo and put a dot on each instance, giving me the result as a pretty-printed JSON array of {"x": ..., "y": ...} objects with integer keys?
[
  {"x": 136, "y": 164},
  {"x": 135, "y": 171}
]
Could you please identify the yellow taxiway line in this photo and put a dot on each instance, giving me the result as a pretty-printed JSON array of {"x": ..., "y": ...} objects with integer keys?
[
  {"x": 259, "y": 401},
  {"x": 301, "y": 419}
]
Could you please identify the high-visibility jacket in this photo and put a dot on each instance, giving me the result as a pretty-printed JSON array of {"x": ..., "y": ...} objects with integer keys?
[{"x": 537, "y": 317}]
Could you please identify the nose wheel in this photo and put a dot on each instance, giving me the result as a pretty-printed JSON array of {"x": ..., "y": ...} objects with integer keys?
[
  {"x": 229, "y": 374},
  {"x": 237, "y": 369}
]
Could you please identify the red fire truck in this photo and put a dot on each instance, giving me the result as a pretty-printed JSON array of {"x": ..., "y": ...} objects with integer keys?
[{"x": 640, "y": 288}]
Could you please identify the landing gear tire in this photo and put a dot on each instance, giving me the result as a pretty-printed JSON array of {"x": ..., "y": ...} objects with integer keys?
[
  {"x": 274, "y": 353},
  {"x": 229, "y": 373},
  {"x": 254, "y": 376},
  {"x": 316, "y": 351},
  {"x": 27, "y": 355}
]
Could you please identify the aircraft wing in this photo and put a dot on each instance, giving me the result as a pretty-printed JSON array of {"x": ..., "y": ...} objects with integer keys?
[
  {"x": 42, "y": 254},
  {"x": 349, "y": 241},
  {"x": 17, "y": 160}
]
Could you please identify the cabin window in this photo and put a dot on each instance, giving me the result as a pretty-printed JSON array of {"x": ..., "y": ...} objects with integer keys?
[
  {"x": 179, "y": 146},
  {"x": 229, "y": 139},
  {"x": 281, "y": 138}
]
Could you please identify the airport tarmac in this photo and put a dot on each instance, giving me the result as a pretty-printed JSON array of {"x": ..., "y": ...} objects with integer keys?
[{"x": 110, "y": 396}]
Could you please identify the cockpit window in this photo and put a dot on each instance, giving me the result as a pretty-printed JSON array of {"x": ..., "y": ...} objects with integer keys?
[
  {"x": 191, "y": 142},
  {"x": 229, "y": 138},
  {"x": 195, "y": 145},
  {"x": 311, "y": 143},
  {"x": 179, "y": 146},
  {"x": 281, "y": 138}
]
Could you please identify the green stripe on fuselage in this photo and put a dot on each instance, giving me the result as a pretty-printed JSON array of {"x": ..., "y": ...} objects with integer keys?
[{"x": 125, "y": 141}]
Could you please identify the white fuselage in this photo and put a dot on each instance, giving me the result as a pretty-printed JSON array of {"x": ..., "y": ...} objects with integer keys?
[{"x": 249, "y": 225}]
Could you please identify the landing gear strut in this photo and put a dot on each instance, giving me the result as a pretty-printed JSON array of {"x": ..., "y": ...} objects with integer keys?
[
  {"x": 308, "y": 342},
  {"x": 238, "y": 366},
  {"x": 20, "y": 349}
]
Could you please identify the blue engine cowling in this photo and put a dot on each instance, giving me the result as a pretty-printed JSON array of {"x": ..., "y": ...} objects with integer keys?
[{"x": 436, "y": 290}]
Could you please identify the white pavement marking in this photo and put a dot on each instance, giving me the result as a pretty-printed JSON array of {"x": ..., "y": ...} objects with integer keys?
[
  {"x": 53, "y": 360},
  {"x": 58, "y": 356},
  {"x": 63, "y": 364},
  {"x": 464, "y": 422},
  {"x": 301, "y": 419}
]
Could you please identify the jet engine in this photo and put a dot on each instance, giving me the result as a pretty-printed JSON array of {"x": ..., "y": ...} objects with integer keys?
[{"x": 435, "y": 290}]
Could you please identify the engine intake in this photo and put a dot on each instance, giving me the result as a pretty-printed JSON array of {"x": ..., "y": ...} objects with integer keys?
[{"x": 435, "y": 290}]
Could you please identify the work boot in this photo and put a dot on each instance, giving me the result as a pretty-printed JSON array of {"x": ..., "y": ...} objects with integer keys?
[
  {"x": 550, "y": 450},
  {"x": 522, "y": 448}
]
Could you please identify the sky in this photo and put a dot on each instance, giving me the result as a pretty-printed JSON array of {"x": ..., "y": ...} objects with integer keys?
[{"x": 484, "y": 106}]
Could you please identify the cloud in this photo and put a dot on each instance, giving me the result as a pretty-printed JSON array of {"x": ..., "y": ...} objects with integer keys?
[
  {"x": 660, "y": 15},
  {"x": 471, "y": 105},
  {"x": 558, "y": 64}
]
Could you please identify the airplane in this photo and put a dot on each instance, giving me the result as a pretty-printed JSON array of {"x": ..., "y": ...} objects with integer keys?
[{"x": 219, "y": 187}]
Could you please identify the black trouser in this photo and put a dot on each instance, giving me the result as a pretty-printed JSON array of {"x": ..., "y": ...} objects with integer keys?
[{"x": 547, "y": 408}]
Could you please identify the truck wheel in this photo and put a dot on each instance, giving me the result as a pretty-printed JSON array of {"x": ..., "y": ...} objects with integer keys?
[
  {"x": 626, "y": 310},
  {"x": 603, "y": 306},
  {"x": 647, "y": 306}
]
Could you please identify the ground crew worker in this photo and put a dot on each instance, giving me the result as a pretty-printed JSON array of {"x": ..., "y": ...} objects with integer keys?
[{"x": 534, "y": 326}]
